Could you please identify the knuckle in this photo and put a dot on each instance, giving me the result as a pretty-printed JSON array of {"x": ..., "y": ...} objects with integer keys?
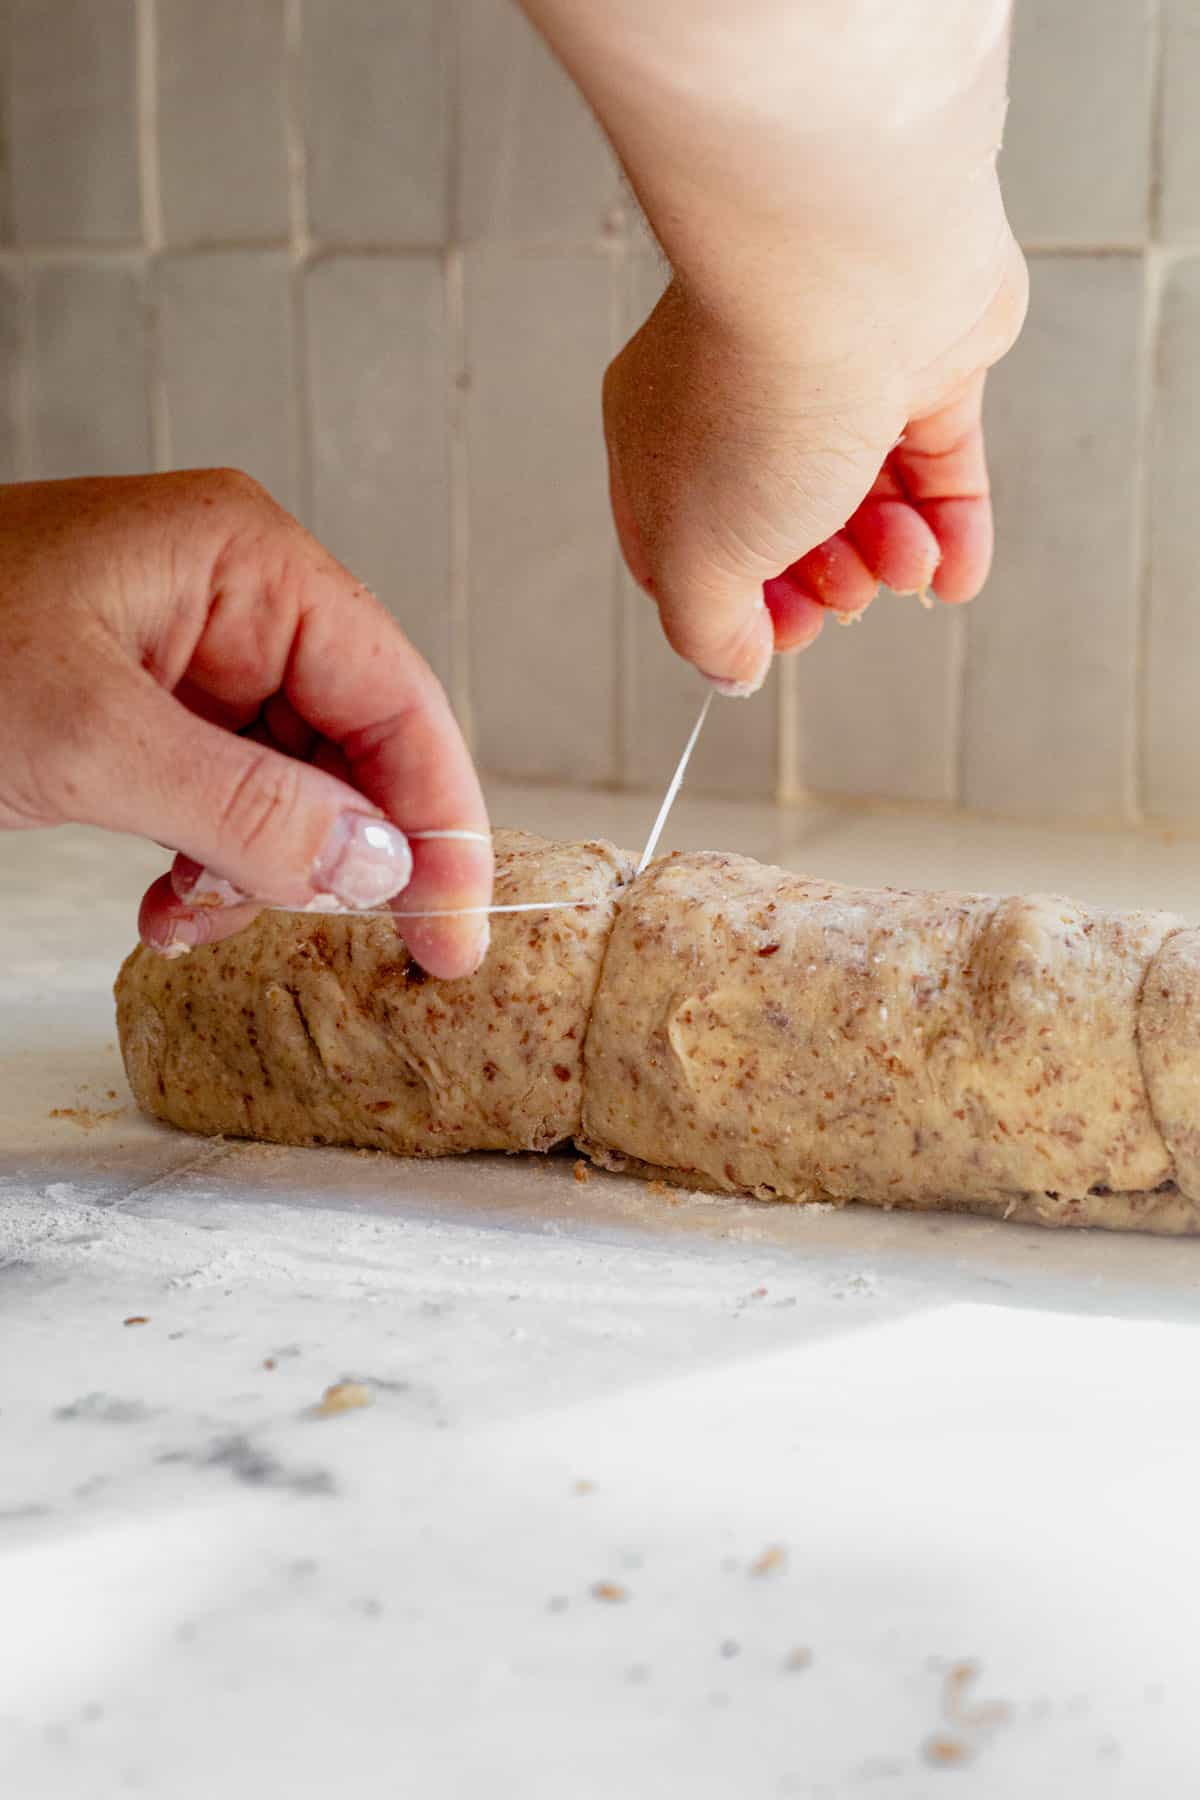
[
  {"x": 234, "y": 484},
  {"x": 257, "y": 809}
]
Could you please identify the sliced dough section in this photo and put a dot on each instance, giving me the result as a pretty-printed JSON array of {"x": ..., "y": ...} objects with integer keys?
[
  {"x": 321, "y": 1030},
  {"x": 758, "y": 1032}
]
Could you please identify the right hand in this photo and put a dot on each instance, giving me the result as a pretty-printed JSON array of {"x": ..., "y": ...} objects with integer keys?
[
  {"x": 740, "y": 474},
  {"x": 822, "y": 179}
]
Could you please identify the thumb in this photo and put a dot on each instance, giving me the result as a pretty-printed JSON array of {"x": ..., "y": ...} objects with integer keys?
[{"x": 274, "y": 827}]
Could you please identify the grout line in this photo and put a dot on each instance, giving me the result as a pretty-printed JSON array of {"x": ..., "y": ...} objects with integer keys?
[
  {"x": 153, "y": 233},
  {"x": 297, "y": 155},
  {"x": 26, "y": 391},
  {"x": 12, "y": 256},
  {"x": 958, "y": 626},
  {"x": 1156, "y": 50},
  {"x": 1142, "y": 562},
  {"x": 312, "y": 249},
  {"x": 448, "y": 26},
  {"x": 149, "y": 166},
  {"x": 620, "y": 315},
  {"x": 790, "y": 789},
  {"x": 1153, "y": 283},
  {"x": 1055, "y": 247},
  {"x": 459, "y": 550},
  {"x": 300, "y": 249}
]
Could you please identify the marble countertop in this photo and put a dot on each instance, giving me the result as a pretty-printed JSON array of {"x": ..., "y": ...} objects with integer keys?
[{"x": 648, "y": 1497}]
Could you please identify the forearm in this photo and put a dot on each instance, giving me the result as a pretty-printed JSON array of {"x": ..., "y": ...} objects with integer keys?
[{"x": 799, "y": 150}]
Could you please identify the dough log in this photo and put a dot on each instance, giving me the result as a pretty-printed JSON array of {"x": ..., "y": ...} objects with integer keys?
[{"x": 726, "y": 1025}]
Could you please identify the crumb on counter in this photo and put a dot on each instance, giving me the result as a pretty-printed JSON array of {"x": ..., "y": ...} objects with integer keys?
[
  {"x": 959, "y": 1710},
  {"x": 584, "y": 1487},
  {"x": 136, "y": 1319},
  {"x": 797, "y": 1659},
  {"x": 581, "y": 1172},
  {"x": 769, "y": 1560},
  {"x": 343, "y": 1396},
  {"x": 611, "y": 1591},
  {"x": 88, "y": 1117},
  {"x": 944, "y": 1752}
]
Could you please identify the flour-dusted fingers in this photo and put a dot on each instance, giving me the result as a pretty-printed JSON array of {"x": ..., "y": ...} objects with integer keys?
[
  {"x": 942, "y": 468},
  {"x": 173, "y": 926},
  {"x": 896, "y": 543},
  {"x": 797, "y": 615},
  {"x": 838, "y": 576}
]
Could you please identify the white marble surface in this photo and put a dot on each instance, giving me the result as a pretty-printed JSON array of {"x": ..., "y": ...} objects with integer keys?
[{"x": 973, "y": 1442}]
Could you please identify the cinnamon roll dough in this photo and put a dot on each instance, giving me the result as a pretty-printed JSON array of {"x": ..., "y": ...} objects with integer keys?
[
  {"x": 757, "y": 1032},
  {"x": 727, "y": 1025}
]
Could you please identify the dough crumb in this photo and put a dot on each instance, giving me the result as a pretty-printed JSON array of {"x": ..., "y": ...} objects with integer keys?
[
  {"x": 797, "y": 1659},
  {"x": 87, "y": 1117},
  {"x": 584, "y": 1487},
  {"x": 959, "y": 1709},
  {"x": 769, "y": 1560},
  {"x": 943, "y": 1751},
  {"x": 609, "y": 1590},
  {"x": 136, "y": 1319},
  {"x": 581, "y": 1172},
  {"x": 342, "y": 1397}
]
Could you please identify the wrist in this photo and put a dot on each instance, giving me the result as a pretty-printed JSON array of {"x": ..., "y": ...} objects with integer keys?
[{"x": 885, "y": 329}]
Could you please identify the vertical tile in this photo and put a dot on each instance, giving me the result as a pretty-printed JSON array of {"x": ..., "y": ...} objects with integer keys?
[
  {"x": 377, "y": 127},
  {"x": 1172, "y": 747},
  {"x": 72, "y": 121},
  {"x": 377, "y": 356},
  {"x": 90, "y": 412},
  {"x": 1076, "y": 162},
  {"x": 226, "y": 355},
  {"x": 1179, "y": 148},
  {"x": 12, "y": 353},
  {"x": 661, "y": 694},
  {"x": 877, "y": 704},
  {"x": 533, "y": 162},
  {"x": 542, "y": 547},
  {"x": 222, "y": 119},
  {"x": 1051, "y": 644}
]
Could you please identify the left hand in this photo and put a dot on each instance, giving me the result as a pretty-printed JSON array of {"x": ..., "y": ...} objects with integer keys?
[{"x": 181, "y": 660}]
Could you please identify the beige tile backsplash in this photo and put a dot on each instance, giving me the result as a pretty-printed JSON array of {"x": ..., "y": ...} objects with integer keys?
[
  {"x": 378, "y": 376},
  {"x": 540, "y": 566},
  {"x": 1052, "y": 650},
  {"x": 225, "y": 340},
  {"x": 378, "y": 253}
]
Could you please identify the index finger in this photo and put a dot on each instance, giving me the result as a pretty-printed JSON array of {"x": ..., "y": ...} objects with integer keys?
[{"x": 355, "y": 677}]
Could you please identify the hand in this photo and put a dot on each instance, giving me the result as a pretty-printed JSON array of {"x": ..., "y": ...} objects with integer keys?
[
  {"x": 799, "y": 418},
  {"x": 754, "y": 492},
  {"x": 182, "y": 661}
]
